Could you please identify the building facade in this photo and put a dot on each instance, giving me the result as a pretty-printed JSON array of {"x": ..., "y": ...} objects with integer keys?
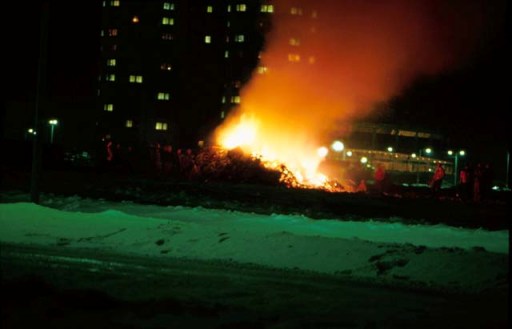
[{"x": 171, "y": 70}]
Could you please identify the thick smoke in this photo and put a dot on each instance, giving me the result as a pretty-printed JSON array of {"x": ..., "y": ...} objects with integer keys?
[{"x": 353, "y": 55}]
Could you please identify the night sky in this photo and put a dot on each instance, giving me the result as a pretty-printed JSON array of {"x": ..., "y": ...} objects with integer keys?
[{"x": 468, "y": 100}]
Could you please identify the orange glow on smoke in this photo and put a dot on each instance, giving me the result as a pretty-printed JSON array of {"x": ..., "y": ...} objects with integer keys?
[{"x": 331, "y": 65}]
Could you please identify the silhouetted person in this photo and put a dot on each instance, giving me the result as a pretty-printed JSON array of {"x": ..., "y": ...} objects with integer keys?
[
  {"x": 477, "y": 183},
  {"x": 380, "y": 178},
  {"x": 464, "y": 184}
]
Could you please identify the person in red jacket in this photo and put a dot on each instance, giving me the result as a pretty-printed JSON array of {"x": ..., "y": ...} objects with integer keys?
[
  {"x": 380, "y": 178},
  {"x": 437, "y": 179}
]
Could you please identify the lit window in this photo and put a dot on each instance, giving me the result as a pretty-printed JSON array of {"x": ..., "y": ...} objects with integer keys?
[
  {"x": 267, "y": 8},
  {"x": 111, "y": 62},
  {"x": 241, "y": 7},
  {"x": 129, "y": 123},
  {"x": 114, "y": 47},
  {"x": 108, "y": 107},
  {"x": 226, "y": 54},
  {"x": 167, "y": 21},
  {"x": 102, "y": 33},
  {"x": 209, "y": 9},
  {"x": 294, "y": 58},
  {"x": 239, "y": 38},
  {"x": 228, "y": 23},
  {"x": 296, "y": 11},
  {"x": 104, "y": 3},
  {"x": 223, "y": 99},
  {"x": 167, "y": 36},
  {"x": 311, "y": 59},
  {"x": 135, "y": 19},
  {"x": 111, "y": 77},
  {"x": 294, "y": 42},
  {"x": 207, "y": 39},
  {"x": 115, "y": 3},
  {"x": 165, "y": 67},
  {"x": 161, "y": 126},
  {"x": 135, "y": 78},
  {"x": 222, "y": 114},
  {"x": 262, "y": 69},
  {"x": 112, "y": 32},
  {"x": 168, "y": 6},
  {"x": 235, "y": 99},
  {"x": 229, "y": 8},
  {"x": 163, "y": 96}
]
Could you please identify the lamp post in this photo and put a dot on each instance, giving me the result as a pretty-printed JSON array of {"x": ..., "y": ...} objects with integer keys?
[
  {"x": 338, "y": 147},
  {"x": 53, "y": 123},
  {"x": 456, "y": 164},
  {"x": 427, "y": 151}
]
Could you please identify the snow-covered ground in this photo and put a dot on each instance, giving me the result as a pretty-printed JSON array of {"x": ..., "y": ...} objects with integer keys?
[{"x": 436, "y": 256}]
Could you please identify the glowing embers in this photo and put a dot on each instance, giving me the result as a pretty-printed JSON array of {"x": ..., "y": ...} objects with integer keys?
[{"x": 298, "y": 163}]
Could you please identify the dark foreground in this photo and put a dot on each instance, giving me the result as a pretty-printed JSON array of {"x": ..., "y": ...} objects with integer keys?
[{"x": 59, "y": 288}]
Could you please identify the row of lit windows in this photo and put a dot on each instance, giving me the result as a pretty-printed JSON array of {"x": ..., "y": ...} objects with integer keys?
[
  {"x": 159, "y": 125},
  {"x": 239, "y": 38},
  {"x": 167, "y": 21},
  {"x": 267, "y": 8},
  {"x": 112, "y": 3},
  {"x": 233, "y": 99},
  {"x": 298, "y": 11},
  {"x": 262, "y": 69},
  {"x": 133, "y": 78},
  {"x": 295, "y": 58},
  {"x": 207, "y": 39},
  {"x": 168, "y": 6},
  {"x": 163, "y": 96},
  {"x": 209, "y": 9},
  {"x": 117, "y": 3},
  {"x": 294, "y": 42},
  {"x": 113, "y": 62}
]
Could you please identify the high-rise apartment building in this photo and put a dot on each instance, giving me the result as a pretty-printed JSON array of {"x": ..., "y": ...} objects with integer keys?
[{"x": 171, "y": 70}]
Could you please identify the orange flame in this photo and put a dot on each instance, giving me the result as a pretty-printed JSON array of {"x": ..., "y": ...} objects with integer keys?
[{"x": 274, "y": 148}]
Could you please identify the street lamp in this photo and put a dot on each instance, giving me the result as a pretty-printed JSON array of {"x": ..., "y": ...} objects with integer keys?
[
  {"x": 53, "y": 123},
  {"x": 426, "y": 151},
  {"x": 456, "y": 164},
  {"x": 337, "y": 146}
]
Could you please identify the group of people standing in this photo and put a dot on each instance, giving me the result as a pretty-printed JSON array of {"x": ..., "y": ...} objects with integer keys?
[{"x": 475, "y": 182}]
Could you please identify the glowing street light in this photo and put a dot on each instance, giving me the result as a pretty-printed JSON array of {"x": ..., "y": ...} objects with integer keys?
[
  {"x": 338, "y": 146},
  {"x": 53, "y": 123},
  {"x": 390, "y": 149},
  {"x": 364, "y": 160},
  {"x": 456, "y": 164},
  {"x": 426, "y": 151},
  {"x": 322, "y": 151}
]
